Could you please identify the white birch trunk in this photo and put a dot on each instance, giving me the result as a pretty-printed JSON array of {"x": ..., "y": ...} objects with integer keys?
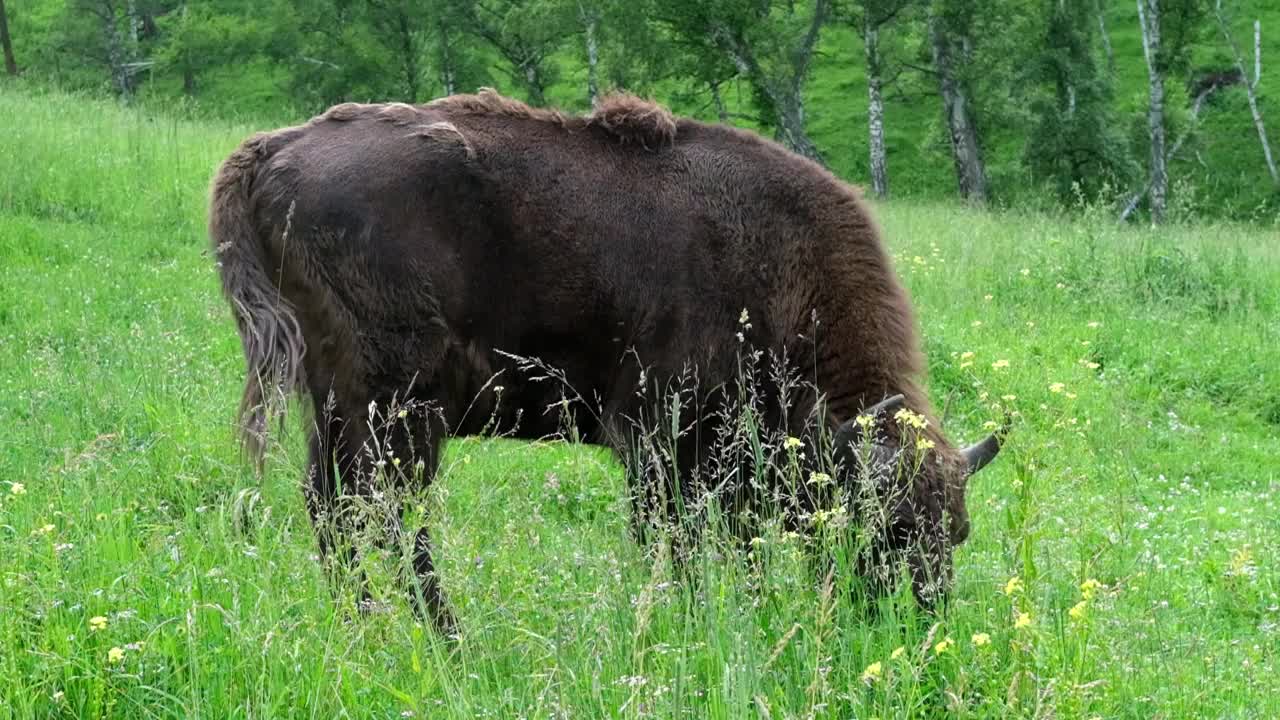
[
  {"x": 1149, "y": 19},
  {"x": 875, "y": 112},
  {"x": 971, "y": 176},
  {"x": 1251, "y": 85},
  {"x": 593, "y": 53}
]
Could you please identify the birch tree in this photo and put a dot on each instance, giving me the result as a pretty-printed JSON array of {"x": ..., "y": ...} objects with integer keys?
[
  {"x": 1250, "y": 84},
  {"x": 771, "y": 45},
  {"x": 1074, "y": 142},
  {"x": 1149, "y": 22},
  {"x": 10, "y": 62},
  {"x": 870, "y": 18},
  {"x": 950, "y": 23}
]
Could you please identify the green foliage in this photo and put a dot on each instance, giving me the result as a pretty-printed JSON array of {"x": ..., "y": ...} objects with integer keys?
[
  {"x": 1075, "y": 142},
  {"x": 279, "y": 61},
  {"x": 1140, "y": 364}
]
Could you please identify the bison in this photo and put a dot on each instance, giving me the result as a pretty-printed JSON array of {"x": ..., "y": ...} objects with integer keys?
[{"x": 419, "y": 256}]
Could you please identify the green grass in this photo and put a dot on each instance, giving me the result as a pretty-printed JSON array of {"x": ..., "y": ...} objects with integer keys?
[{"x": 1154, "y": 472}]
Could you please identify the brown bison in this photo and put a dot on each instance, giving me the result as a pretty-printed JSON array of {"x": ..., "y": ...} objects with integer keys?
[{"x": 423, "y": 257}]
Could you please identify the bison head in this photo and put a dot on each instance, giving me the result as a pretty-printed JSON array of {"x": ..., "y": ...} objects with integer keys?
[{"x": 911, "y": 486}]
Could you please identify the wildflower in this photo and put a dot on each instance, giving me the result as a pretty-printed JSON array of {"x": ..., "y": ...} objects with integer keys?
[
  {"x": 943, "y": 645},
  {"x": 1013, "y": 586},
  {"x": 1023, "y": 621},
  {"x": 966, "y": 355},
  {"x": 744, "y": 318},
  {"x": 115, "y": 655},
  {"x": 976, "y": 323},
  {"x": 1061, "y": 286},
  {"x": 1095, "y": 324},
  {"x": 872, "y": 673},
  {"x": 1000, "y": 364},
  {"x": 865, "y": 422},
  {"x": 980, "y": 639},
  {"x": 97, "y": 622},
  {"x": 965, "y": 364},
  {"x": 1091, "y": 365},
  {"x": 988, "y": 297},
  {"x": 819, "y": 478},
  {"x": 910, "y": 419},
  {"x": 1026, "y": 272},
  {"x": 991, "y": 425},
  {"x": 18, "y": 489},
  {"x": 898, "y": 652},
  {"x": 1056, "y": 387},
  {"x": 1077, "y": 611},
  {"x": 793, "y": 443},
  {"x": 1070, "y": 396},
  {"x": 924, "y": 444},
  {"x": 46, "y": 529},
  {"x": 1008, "y": 398}
]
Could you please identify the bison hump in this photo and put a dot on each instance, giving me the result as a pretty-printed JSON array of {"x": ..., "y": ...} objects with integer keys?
[{"x": 632, "y": 119}]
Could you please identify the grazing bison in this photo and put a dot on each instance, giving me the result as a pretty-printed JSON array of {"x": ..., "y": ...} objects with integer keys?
[{"x": 384, "y": 254}]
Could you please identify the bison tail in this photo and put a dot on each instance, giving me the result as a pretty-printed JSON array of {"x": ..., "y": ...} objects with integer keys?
[{"x": 269, "y": 330}]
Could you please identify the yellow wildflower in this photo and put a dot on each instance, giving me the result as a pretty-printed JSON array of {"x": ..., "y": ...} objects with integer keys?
[
  {"x": 97, "y": 622},
  {"x": 115, "y": 655},
  {"x": 1094, "y": 324},
  {"x": 1023, "y": 620},
  {"x": 897, "y": 652},
  {"x": 872, "y": 673},
  {"x": 1056, "y": 387},
  {"x": 865, "y": 422},
  {"x": 976, "y": 323},
  {"x": 1013, "y": 586},
  {"x": 966, "y": 355},
  {"x": 910, "y": 419},
  {"x": 1077, "y": 611},
  {"x": 924, "y": 444},
  {"x": 980, "y": 639},
  {"x": 943, "y": 646},
  {"x": 793, "y": 443},
  {"x": 1026, "y": 272},
  {"x": 819, "y": 478},
  {"x": 1008, "y": 398},
  {"x": 988, "y": 297},
  {"x": 18, "y": 489},
  {"x": 47, "y": 528},
  {"x": 1000, "y": 364}
]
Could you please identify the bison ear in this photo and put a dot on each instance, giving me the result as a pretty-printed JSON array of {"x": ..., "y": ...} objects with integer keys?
[{"x": 852, "y": 431}]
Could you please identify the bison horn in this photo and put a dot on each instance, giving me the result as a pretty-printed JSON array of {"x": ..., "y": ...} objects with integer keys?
[
  {"x": 887, "y": 405},
  {"x": 977, "y": 456}
]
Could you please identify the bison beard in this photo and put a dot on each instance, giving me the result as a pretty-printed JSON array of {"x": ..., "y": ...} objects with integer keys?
[{"x": 404, "y": 267}]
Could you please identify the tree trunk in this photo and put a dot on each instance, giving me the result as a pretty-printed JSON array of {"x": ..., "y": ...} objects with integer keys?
[
  {"x": 409, "y": 57},
  {"x": 722, "y": 111},
  {"x": 593, "y": 53},
  {"x": 1106, "y": 38},
  {"x": 785, "y": 92},
  {"x": 875, "y": 111},
  {"x": 10, "y": 63},
  {"x": 448, "y": 74},
  {"x": 1149, "y": 19},
  {"x": 116, "y": 54},
  {"x": 533, "y": 83},
  {"x": 971, "y": 175},
  {"x": 1251, "y": 86}
]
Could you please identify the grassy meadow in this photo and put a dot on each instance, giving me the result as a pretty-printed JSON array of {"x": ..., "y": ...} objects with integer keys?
[{"x": 1123, "y": 561}]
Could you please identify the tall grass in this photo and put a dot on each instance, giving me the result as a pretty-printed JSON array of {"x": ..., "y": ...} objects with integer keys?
[{"x": 144, "y": 571}]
